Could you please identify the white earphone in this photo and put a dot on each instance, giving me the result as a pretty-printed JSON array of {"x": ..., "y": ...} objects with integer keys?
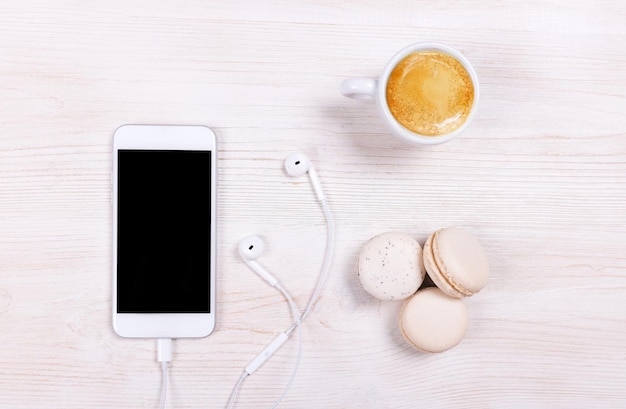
[
  {"x": 297, "y": 164},
  {"x": 251, "y": 247}
]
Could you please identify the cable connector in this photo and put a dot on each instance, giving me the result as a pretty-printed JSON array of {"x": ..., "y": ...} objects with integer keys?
[{"x": 164, "y": 350}]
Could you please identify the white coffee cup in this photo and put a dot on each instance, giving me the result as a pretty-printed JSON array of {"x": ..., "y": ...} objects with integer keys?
[{"x": 368, "y": 88}]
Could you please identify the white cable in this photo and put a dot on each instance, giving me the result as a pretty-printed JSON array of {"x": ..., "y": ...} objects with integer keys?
[
  {"x": 269, "y": 351},
  {"x": 235, "y": 391},
  {"x": 298, "y": 320},
  {"x": 164, "y": 356},
  {"x": 328, "y": 256},
  {"x": 164, "y": 368}
]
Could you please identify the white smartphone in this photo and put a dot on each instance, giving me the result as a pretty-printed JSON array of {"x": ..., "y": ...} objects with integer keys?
[{"x": 164, "y": 231}]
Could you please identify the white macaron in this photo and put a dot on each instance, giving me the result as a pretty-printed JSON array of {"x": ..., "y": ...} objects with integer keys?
[
  {"x": 390, "y": 266},
  {"x": 432, "y": 321}
]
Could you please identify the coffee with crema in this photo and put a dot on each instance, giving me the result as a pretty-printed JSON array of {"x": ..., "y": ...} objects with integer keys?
[{"x": 430, "y": 93}]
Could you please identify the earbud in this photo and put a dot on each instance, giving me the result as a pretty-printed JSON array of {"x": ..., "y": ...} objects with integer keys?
[
  {"x": 297, "y": 164},
  {"x": 251, "y": 248}
]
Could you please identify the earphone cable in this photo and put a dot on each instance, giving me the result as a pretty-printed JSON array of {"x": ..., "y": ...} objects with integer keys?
[
  {"x": 282, "y": 337},
  {"x": 296, "y": 316},
  {"x": 235, "y": 391},
  {"x": 328, "y": 256}
]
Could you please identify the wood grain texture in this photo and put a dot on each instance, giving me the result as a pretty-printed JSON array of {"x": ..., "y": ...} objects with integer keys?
[{"x": 539, "y": 178}]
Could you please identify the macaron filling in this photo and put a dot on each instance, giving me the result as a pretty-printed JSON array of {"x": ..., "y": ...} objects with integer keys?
[{"x": 440, "y": 271}]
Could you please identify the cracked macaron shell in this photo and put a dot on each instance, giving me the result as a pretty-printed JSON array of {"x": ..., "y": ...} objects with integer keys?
[
  {"x": 390, "y": 266},
  {"x": 456, "y": 262}
]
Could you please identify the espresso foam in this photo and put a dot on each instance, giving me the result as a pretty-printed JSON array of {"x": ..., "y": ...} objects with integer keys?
[{"x": 430, "y": 93}]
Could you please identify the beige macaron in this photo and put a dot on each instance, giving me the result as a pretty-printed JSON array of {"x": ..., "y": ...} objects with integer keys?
[
  {"x": 456, "y": 262},
  {"x": 390, "y": 266},
  {"x": 432, "y": 321}
]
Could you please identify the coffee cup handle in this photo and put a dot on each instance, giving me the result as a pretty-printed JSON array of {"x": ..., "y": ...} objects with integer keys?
[{"x": 359, "y": 88}]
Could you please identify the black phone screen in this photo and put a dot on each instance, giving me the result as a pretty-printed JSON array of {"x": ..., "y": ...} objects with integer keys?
[{"x": 163, "y": 231}]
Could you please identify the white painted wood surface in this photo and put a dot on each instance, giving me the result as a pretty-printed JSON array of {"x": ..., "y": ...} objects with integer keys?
[{"x": 539, "y": 178}]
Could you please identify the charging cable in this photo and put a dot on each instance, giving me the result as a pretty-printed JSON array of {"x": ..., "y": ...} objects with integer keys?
[{"x": 164, "y": 356}]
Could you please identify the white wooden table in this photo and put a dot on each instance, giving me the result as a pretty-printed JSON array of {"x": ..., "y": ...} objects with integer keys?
[{"x": 539, "y": 178}]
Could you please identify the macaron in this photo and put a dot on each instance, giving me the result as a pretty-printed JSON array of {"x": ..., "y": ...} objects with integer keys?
[
  {"x": 456, "y": 262},
  {"x": 432, "y": 321},
  {"x": 390, "y": 266}
]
